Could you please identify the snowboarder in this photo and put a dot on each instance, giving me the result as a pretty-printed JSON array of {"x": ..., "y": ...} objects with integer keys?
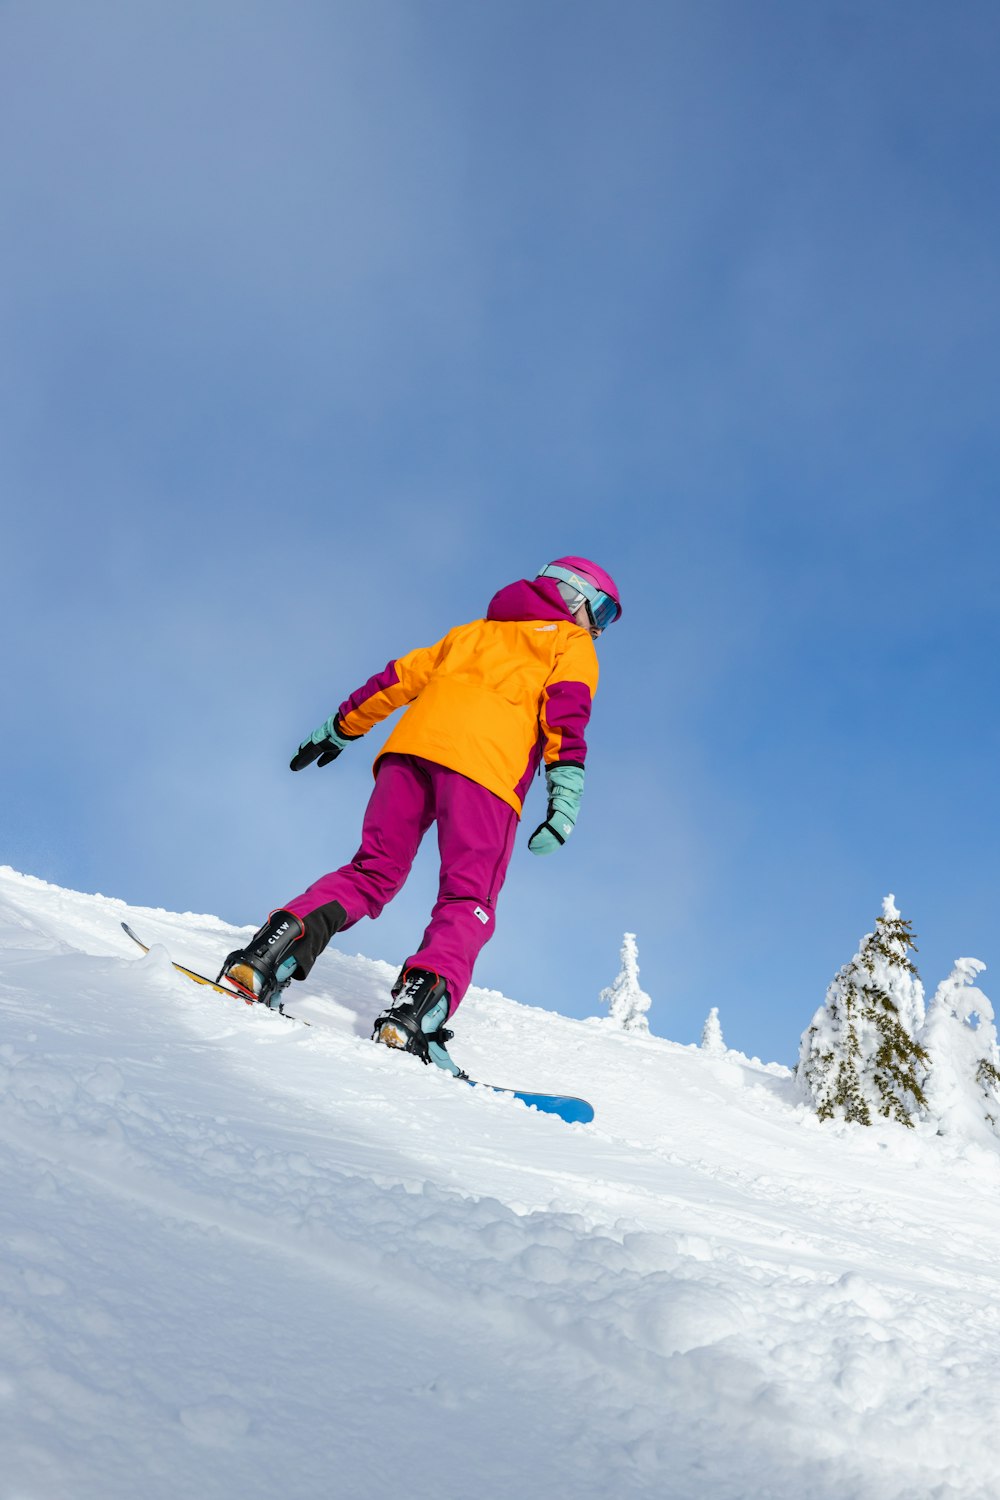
[{"x": 488, "y": 704}]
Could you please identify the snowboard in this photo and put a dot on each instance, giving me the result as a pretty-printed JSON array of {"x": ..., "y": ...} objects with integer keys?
[
  {"x": 573, "y": 1111},
  {"x": 214, "y": 984}
]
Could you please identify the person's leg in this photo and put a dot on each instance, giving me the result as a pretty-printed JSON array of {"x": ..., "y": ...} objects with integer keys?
[
  {"x": 476, "y": 838},
  {"x": 399, "y": 813}
]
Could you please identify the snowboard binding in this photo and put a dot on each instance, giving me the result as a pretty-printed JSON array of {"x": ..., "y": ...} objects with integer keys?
[
  {"x": 263, "y": 970},
  {"x": 415, "y": 1023}
]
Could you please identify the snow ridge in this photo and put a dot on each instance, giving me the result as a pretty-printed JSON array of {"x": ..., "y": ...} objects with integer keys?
[{"x": 239, "y": 1258}]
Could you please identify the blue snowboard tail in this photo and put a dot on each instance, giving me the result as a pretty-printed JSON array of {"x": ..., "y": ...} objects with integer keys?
[{"x": 573, "y": 1111}]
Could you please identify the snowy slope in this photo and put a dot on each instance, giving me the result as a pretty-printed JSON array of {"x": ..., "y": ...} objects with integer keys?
[{"x": 240, "y": 1258}]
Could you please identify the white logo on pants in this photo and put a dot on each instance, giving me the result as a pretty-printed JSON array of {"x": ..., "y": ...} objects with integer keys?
[{"x": 482, "y": 915}]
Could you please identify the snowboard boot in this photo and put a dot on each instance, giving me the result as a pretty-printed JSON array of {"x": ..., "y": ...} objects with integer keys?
[
  {"x": 415, "y": 1023},
  {"x": 263, "y": 969}
]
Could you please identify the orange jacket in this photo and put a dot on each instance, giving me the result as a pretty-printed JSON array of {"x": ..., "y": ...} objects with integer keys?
[{"x": 492, "y": 697}]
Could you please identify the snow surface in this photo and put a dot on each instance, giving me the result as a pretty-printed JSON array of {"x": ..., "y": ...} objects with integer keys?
[{"x": 242, "y": 1258}]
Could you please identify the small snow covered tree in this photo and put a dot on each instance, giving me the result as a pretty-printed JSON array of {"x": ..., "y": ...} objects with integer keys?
[
  {"x": 860, "y": 1057},
  {"x": 627, "y": 1001},
  {"x": 711, "y": 1033},
  {"x": 962, "y": 1083}
]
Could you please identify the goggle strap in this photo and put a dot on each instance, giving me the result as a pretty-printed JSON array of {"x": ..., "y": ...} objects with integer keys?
[{"x": 596, "y": 598}]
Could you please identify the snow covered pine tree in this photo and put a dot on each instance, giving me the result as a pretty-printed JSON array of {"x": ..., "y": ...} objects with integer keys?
[
  {"x": 711, "y": 1034},
  {"x": 962, "y": 1081},
  {"x": 627, "y": 1001},
  {"x": 860, "y": 1057}
]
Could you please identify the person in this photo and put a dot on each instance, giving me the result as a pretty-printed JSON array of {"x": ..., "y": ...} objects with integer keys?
[{"x": 488, "y": 705}]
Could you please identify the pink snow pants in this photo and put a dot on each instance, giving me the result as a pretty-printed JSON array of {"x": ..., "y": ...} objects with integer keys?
[{"x": 475, "y": 831}]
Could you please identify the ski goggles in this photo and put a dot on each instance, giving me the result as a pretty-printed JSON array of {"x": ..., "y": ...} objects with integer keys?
[{"x": 602, "y": 609}]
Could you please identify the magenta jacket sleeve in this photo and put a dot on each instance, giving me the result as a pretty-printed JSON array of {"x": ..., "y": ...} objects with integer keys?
[{"x": 567, "y": 701}]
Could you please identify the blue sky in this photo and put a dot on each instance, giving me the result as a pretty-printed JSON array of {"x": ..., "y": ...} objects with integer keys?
[{"x": 320, "y": 323}]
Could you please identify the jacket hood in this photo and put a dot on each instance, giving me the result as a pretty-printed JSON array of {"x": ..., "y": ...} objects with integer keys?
[{"x": 534, "y": 599}]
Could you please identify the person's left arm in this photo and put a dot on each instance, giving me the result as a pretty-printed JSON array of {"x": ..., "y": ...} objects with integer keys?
[{"x": 401, "y": 681}]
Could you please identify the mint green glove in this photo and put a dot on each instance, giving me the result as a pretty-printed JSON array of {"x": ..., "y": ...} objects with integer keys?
[
  {"x": 565, "y": 788},
  {"x": 324, "y": 745}
]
